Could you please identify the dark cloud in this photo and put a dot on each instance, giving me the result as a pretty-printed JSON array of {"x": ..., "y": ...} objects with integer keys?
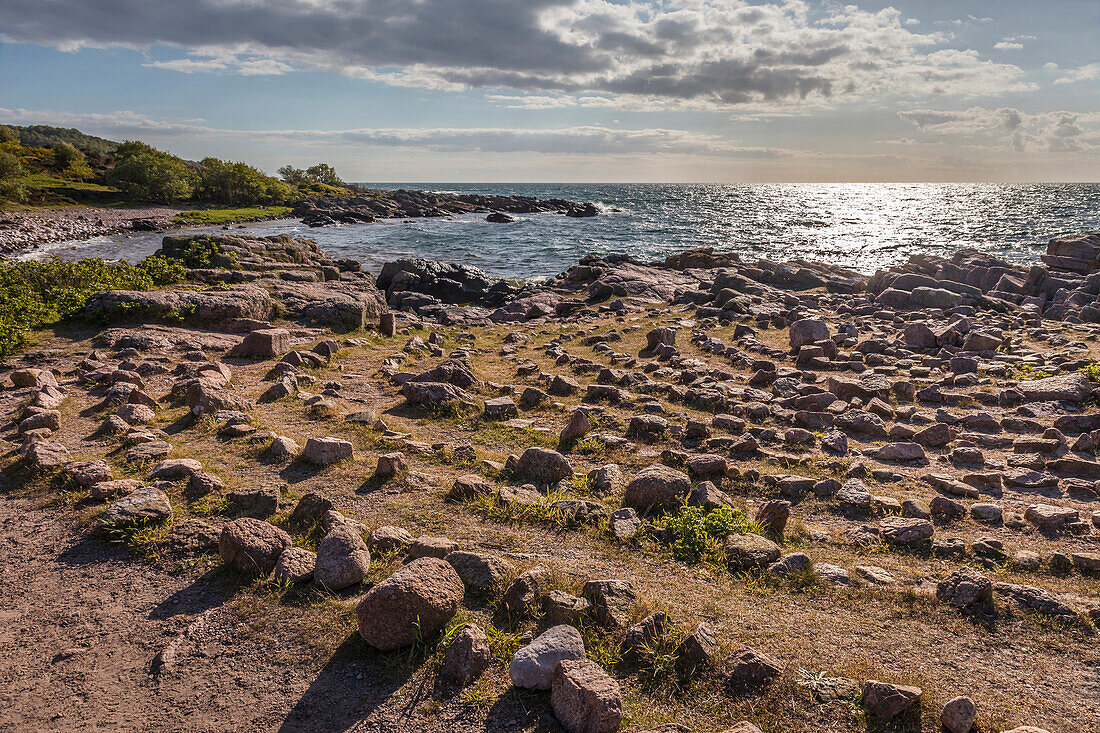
[{"x": 721, "y": 52}]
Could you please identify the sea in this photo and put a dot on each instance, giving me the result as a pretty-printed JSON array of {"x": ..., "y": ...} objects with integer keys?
[{"x": 863, "y": 226}]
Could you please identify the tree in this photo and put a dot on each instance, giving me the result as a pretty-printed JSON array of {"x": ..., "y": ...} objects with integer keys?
[
  {"x": 238, "y": 184},
  {"x": 293, "y": 176},
  {"x": 145, "y": 173},
  {"x": 70, "y": 162},
  {"x": 11, "y": 170},
  {"x": 10, "y": 167},
  {"x": 323, "y": 173}
]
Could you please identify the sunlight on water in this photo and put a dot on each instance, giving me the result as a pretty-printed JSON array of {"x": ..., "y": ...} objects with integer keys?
[{"x": 860, "y": 225}]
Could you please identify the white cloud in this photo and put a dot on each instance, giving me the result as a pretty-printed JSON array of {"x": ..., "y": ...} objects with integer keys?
[
  {"x": 1008, "y": 45},
  {"x": 579, "y": 140},
  {"x": 1088, "y": 72},
  {"x": 656, "y": 54},
  {"x": 1008, "y": 127}
]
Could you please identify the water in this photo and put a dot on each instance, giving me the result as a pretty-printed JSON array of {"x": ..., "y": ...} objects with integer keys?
[{"x": 864, "y": 226}]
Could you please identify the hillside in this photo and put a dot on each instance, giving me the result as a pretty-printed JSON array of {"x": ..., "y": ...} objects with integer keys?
[{"x": 46, "y": 136}]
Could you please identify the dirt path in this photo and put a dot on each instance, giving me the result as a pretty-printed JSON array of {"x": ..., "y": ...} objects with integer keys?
[{"x": 83, "y": 624}]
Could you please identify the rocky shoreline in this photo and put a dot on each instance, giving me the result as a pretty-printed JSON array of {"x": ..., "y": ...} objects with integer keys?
[
  {"x": 21, "y": 231},
  {"x": 371, "y": 205},
  {"x": 814, "y": 498}
]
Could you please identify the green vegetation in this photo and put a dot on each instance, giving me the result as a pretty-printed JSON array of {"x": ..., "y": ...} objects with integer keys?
[
  {"x": 45, "y": 136},
  {"x": 142, "y": 172},
  {"x": 223, "y": 216},
  {"x": 239, "y": 184},
  {"x": 36, "y": 294},
  {"x": 203, "y": 252},
  {"x": 1092, "y": 370},
  {"x": 11, "y": 171},
  {"x": 48, "y": 166},
  {"x": 1027, "y": 371},
  {"x": 698, "y": 531},
  {"x": 322, "y": 173}
]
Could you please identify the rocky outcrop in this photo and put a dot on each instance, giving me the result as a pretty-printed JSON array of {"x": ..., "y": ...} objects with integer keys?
[
  {"x": 255, "y": 279},
  {"x": 419, "y": 284},
  {"x": 372, "y": 204}
]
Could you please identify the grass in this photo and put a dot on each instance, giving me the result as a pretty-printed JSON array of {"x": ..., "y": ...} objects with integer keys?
[
  {"x": 799, "y": 619},
  {"x": 508, "y": 512},
  {"x": 44, "y": 180},
  {"x": 698, "y": 532},
  {"x": 145, "y": 539},
  {"x": 227, "y": 216}
]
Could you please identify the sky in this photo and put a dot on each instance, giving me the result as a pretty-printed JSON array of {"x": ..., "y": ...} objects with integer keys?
[{"x": 575, "y": 90}]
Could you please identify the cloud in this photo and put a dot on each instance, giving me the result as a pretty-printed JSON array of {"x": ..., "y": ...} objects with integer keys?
[
  {"x": 579, "y": 140},
  {"x": 1008, "y": 127},
  {"x": 1088, "y": 72},
  {"x": 231, "y": 63},
  {"x": 1012, "y": 43},
  {"x": 667, "y": 53}
]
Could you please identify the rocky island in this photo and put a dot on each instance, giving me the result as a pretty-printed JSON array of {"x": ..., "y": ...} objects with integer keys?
[{"x": 695, "y": 494}]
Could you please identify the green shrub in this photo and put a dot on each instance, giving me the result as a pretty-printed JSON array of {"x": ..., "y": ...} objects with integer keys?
[
  {"x": 13, "y": 191},
  {"x": 36, "y": 294},
  {"x": 1091, "y": 371},
  {"x": 203, "y": 252},
  {"x": 698, "y": 531},
  {"x": 238, "y": 184},
  {"x": 10, "y": 167},
  {"x": 148, "y": 174}
]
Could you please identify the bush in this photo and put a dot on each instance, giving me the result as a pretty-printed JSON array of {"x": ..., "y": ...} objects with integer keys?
[
  {"x": 70, "y": 162},
  {"x": 697, "y": 531},
  {"x": 10, "y": 167},
  {"x": 322, "y": 174},
  {"x": 13, "y": 191},
  {"x": 36, "y": 294},
  {"x": 202, "y": 253},
  {"x": 148, "y": 174},
  {"x": 239, "y": 184}
]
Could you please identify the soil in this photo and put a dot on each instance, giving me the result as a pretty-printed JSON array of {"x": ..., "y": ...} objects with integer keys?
[{"x": 102, "y": 636}]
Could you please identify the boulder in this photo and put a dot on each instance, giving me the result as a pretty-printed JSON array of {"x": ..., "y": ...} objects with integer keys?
[
  {"x": 1071, "y": 387},
  {"x": 295, "y": 565},
  {"x": 958, "y": 715},
  {"x": 342, "y": 559},
  {"x": 966, "y": 589},
  {"x": 479, "y": 573},
  {"x": 749, "y": 551},
  {"x": 542, "y": 466},
  {"x": 264, "y": 343},
  {"x": 657, "y": 487},
  {"x": 612, "y": 601},
  {"x": 807, "y": 331},
  {"x": 417, "y": 601},
  {"x": 585, "y": 699},
  {"x": 533, "y": 666},
  {"x": 252, "y": 546},
  {"x": 747, "y": 670},
  {"x": 175, "y": 468},
  {"x": 522, "y": 596},
  {"x": 467, "y": 656},
  {"x": 144, "y": 505},
  {"x": 433, "y": 394},
  {"x": 886, "y": 701},
  {"x": 907, "y": 532},
  {"x": 327, "y": 451},
  {"x": 88, "y": 473}
]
